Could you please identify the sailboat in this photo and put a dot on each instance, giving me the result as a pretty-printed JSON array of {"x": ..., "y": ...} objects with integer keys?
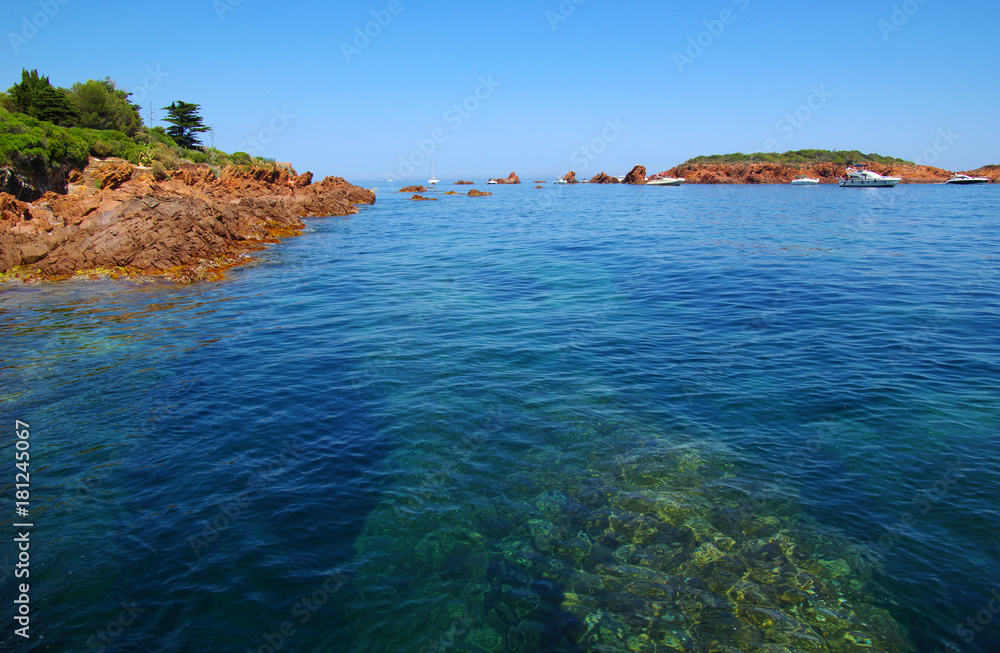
[{"x": 432, "y": 179}]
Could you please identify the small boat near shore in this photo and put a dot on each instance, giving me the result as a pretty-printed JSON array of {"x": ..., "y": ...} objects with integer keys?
[
  {"x": 861, "y": 177},
  {"x": 665, "y": 181},
  {"x": 559, "y": 182},
  {"x": 960, "y": 180},
  {"x": 802, "y": 180}
]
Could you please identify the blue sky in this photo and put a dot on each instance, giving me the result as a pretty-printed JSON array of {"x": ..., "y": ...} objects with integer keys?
[{"x": 538, "y": 88}]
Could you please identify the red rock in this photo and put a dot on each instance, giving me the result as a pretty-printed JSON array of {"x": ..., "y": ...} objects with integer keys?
[
  {"x": 421, "y": 198},
  {"x": 413, "y": 189},
  {"x": 779, "y": 173},
  {"x": 570, "y": 178},
  {"x": 636, "y": 176},
  {"x": 991, "y": 172},
  {"x": 512, "y": 178},
  {"x": 191, "y": 227},
  {"x": 478, "y": 193},
  {"x": 113, "y": 175},
  {"x": 603, "y": 178}
]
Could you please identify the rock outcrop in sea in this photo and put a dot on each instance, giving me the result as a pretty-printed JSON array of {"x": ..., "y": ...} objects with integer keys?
[
  {"x": 512, "y": 178},
  {"x": 603, "y": 178},
  {"x": 570, "y": 178},
  {"x": 636, "y": 176},
  {"x": 116, "y": 218}
]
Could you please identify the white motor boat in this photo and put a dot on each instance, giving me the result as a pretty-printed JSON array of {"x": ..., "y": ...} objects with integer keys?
[
  {"x": 665, "y": 181},
  {"x": 861, "y": 177},
  {"x": 559, "y": 182},
  {"x": 492, "y": 181},
  {"x": 966, "y": 179},
  {"x": 802, "y": 180}
]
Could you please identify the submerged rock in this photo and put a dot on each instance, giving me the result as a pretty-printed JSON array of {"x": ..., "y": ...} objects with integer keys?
[{"x": 649, "y": 546}]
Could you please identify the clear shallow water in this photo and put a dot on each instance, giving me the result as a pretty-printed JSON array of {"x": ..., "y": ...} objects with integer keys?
[{"x": 576, "y": 418}]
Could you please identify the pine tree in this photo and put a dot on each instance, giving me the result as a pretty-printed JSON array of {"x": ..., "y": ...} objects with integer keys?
[
  {"x": 38, "y": 98},
  {"x": 185, "y": 123}
]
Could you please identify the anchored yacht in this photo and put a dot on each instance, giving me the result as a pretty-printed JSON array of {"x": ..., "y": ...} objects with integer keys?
[{"x": 861, "y": 177}]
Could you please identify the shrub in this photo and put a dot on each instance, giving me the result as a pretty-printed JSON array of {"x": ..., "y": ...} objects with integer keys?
[
  {"x": 159, "y": 172},
  {"x": 102, "y": 105},
  {"x": 240, "y": 158},
  {"x": 196, "y": 156},
  {"x": 101, "y": 149},
  {"x": 166, "y": 158}
]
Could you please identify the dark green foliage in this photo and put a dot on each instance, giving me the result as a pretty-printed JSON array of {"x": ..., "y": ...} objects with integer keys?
[
  {"x": 185, "y": 122},
  {"x": 159, "y": 172},
  {"x": 197, "y": 156},
  {"x": 160, "y": 135},
  {"x": 797, "y": 157},
  {"x": 102, "y": 149},
  {"x": 36, "y": 97},
  {"x": 101, "y": 105},
  {"x": 45, "y": 129},
  {"x": 240, "y": 158}
]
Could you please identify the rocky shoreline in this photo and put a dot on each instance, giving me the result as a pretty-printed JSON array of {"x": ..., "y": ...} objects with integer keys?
[{"x": 117, "y": 220}]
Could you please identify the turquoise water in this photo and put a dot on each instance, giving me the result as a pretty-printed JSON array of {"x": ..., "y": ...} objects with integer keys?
[{"x": 568, "y": 419}]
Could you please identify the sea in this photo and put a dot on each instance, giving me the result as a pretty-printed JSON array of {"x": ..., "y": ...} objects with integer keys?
[{"x": 568, "y": 418}]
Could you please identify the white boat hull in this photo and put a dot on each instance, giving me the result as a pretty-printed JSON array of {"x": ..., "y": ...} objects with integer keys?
[
  {"x": 965, "y": 180},
  {"x": 884, "y": 182},
  {"x": 865, "y": 178},
  {"x": 665, "y": 181},
  {"x": 805, "y": 182}
]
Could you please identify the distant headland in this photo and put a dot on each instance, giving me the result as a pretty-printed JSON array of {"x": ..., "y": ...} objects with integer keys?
[{"x": 772, "y": 168}]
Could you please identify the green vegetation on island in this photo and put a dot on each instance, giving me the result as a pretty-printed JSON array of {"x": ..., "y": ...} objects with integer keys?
[{"x": 799, "y": 157}]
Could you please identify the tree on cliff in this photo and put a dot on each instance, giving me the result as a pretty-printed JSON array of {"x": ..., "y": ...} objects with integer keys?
[
  {"x": 102, "y": 105},
  {"x": 38, "y": 98},
  {"x": 186, "y": 123}
]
